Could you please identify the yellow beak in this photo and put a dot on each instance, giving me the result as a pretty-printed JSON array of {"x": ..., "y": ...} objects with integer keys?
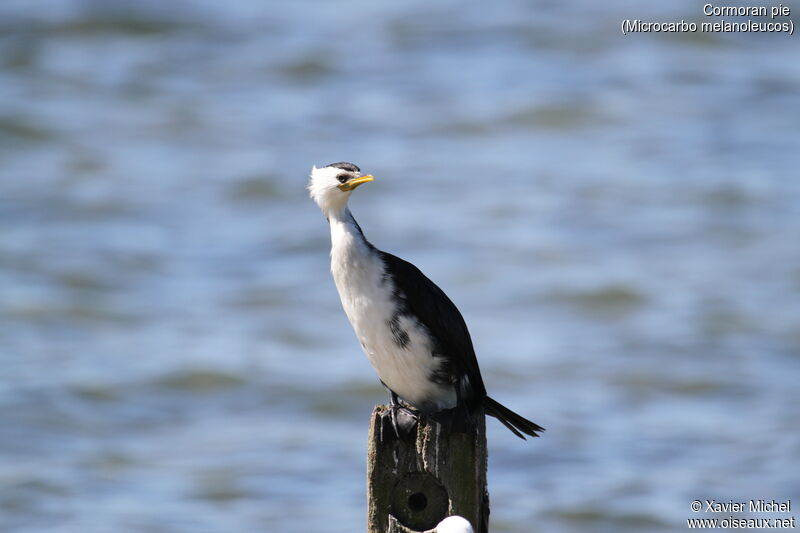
[{"x": 355, "y": 182}]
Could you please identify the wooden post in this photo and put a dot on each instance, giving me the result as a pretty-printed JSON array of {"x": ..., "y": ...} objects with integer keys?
[{"x": 421, "y": 478}]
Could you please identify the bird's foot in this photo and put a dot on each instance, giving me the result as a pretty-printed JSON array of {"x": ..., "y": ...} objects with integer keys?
[{"x": 404, "y": 420}]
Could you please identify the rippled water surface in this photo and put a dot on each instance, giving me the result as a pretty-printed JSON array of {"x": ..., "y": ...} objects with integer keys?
[{"x": 617, "y": 218}]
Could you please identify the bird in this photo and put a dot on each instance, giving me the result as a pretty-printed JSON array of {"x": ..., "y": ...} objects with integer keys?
[
  {"x": 454, "y": 524},
  {"x": 412, "y": 333}
]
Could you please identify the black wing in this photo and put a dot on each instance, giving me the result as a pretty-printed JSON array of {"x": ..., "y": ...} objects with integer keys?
[{"x": 421, "y": 298}]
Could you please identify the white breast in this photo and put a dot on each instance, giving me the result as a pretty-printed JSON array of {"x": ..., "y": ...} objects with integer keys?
[{"x": 368, "y": 300}]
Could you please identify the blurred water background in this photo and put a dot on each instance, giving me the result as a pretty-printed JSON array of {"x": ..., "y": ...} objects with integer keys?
[{"x": 617, "y": 218}]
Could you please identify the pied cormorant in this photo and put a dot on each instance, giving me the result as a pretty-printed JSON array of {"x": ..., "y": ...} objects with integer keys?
[{"x": 411, "y": 332}]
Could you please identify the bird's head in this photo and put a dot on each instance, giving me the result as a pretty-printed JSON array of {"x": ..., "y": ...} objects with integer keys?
[{"x": 331, "y": 185}]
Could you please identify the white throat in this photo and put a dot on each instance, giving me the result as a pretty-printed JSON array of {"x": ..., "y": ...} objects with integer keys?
[{"x": 350, "y": 252}]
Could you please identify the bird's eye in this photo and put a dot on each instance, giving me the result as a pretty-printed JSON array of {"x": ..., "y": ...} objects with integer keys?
[{"x": 342, "y": 178}]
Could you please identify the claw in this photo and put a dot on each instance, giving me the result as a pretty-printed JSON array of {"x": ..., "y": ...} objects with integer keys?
[
  {"x": 394, "y": 406},
  {"x": 401, "y": 417}
]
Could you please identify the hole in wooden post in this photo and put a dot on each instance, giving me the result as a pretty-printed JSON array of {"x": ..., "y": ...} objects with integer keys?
[{"x": 417, "y": 502}]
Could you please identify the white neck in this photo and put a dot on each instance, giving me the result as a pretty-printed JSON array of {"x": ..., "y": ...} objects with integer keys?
[
  {"x": 338, "y": 213},
  {"x": 356, "y": 267},
  {"x": 346, "y": 238}
]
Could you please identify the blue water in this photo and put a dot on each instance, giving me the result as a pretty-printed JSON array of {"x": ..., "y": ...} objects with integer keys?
[{"x": 616, "y": 217}]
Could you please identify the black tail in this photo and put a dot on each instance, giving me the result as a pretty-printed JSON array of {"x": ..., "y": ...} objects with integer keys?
[{"x": 511, "y": 420}]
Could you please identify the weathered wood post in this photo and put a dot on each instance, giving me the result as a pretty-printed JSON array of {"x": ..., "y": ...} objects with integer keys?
[{"x": 415, "y": 481}]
